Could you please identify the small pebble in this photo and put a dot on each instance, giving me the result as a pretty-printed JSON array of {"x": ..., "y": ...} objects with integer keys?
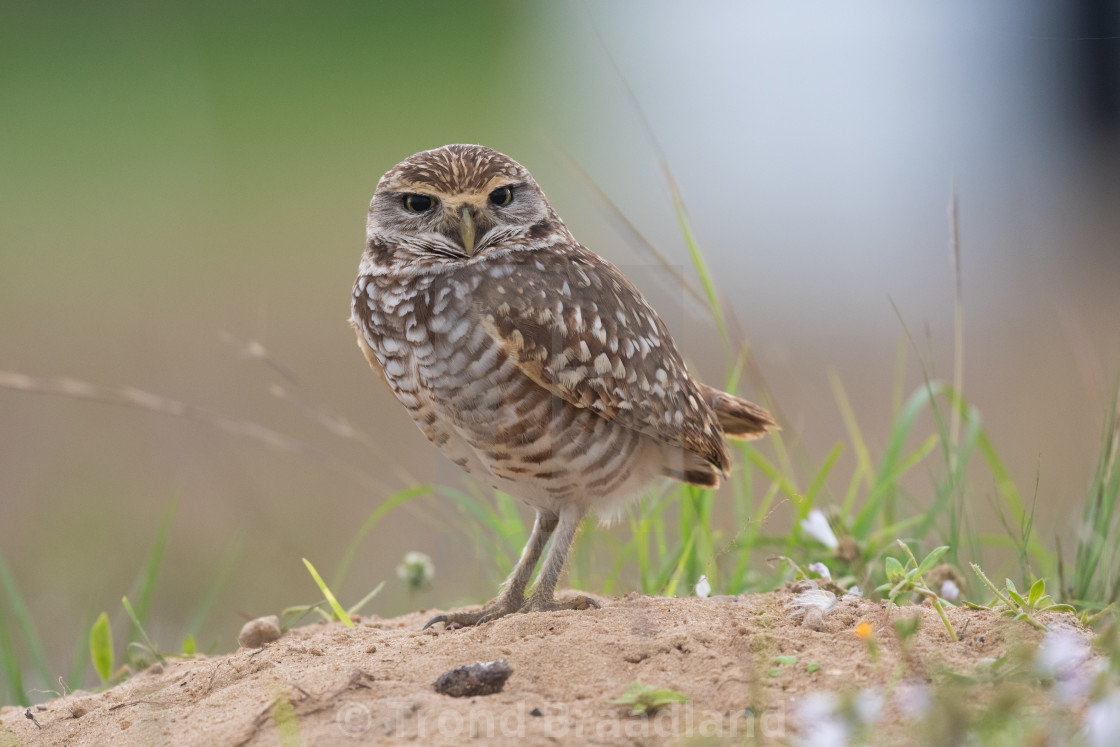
[
  {"x": 256, "y": 633},
  {"x": 483, "y": 678}
]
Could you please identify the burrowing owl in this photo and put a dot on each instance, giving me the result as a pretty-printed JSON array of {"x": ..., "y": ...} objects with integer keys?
[{"x": 531, "y": 362}]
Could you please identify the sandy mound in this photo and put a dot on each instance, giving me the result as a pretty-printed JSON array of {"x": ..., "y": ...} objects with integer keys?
[{"x": 328, "y": 684}]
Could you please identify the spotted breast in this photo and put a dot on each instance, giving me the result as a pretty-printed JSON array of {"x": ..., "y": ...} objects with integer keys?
[{"x": 545, "y": 375}]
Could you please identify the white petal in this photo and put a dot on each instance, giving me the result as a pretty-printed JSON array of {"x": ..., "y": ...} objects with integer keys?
[
  {"x": 1060, "y": 654},
  {"x": 821, "y": 569},
  {"x": 1102, "y": 721},
  {"x": 816, "y": 526}
]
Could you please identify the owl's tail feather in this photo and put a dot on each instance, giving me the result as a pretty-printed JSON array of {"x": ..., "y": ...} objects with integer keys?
[
  {"x": 740, "y": 419},
  {"x": 684, "y": 466}
]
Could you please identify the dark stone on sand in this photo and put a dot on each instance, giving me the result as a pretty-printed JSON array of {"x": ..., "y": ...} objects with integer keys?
[{"x": 483, "y": 678}]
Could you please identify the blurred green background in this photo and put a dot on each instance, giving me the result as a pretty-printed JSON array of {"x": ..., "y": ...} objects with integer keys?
[{"x": 172, "y": 173}]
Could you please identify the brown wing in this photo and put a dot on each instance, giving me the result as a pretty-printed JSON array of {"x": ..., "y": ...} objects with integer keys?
[{"x": 578, "y": 328}]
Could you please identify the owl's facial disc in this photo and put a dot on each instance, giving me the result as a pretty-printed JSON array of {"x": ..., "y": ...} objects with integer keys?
[
  {"x": 468, "y": 220},
  {"x": 455, "y": 203}
]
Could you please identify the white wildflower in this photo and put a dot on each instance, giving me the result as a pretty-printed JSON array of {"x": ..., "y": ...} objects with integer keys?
[
  {"x": 1102, "y": 721},
  {"x": 816, "y": 526},
  {"x": 855, "y": 592},
  {"x": 1061, "y": 654},
  {"x": 950, "y": 591},
  {"x": 868, "y": 705},
  {"x": 913, "y": 700},
  {"x": 825, "y": 720},
  {"x": 703, "y": 588},
  {"x": 1077, "y": 687},
  {"x": 821, "y": 569},
  {"x": 417, "y": 570},
  {"x": 821, "y": 725}
]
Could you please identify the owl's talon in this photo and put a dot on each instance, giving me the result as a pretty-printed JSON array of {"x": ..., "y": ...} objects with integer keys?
[
  {"x": 492, "y": 611},
  {"x": 434, "y": 620},
  {"x": 551, "y": 605}
]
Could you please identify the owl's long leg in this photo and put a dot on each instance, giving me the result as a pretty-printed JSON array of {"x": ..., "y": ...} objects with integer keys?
[
  {"x": 513, "y": 588},
  {"x": 542, "y": 599},
  {"x": 511, "y": 597}
]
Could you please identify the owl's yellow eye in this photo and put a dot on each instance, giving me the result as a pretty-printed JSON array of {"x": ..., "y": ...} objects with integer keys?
[
  {"x": 417, "y": 203},
  {"x": 501, "y": 196}
]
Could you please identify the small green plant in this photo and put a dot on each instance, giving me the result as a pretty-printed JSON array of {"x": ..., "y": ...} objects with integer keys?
[
  {"x": 101, "y": 647},
  {"x": 909, "y": 579},
  {"x": 782, "y": 661},
  {"x": 643, "y": 699},
  {"x": 146, "y": 645},
  {"x": 1010, "y": 602},
  {"x": 1095, "y": 576},
  {"x": 337, "y": 612}
]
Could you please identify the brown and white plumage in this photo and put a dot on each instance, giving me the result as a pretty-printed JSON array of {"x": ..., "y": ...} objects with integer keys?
[{"x": 530, "y": 361}]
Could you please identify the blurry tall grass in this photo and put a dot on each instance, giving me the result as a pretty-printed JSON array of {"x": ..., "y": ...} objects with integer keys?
[{"x": 675, "y": 534}]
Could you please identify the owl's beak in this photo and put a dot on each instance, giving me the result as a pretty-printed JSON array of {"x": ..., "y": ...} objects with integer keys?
[{"x": 467, "y": 231}]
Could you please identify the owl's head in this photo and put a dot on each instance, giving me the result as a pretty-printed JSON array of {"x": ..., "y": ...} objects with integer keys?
[{"x": 452, "y": 204}]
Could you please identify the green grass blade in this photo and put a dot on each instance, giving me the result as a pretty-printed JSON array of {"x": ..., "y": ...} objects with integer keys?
[
  {"x": 900, "y": 356},
  {"x": 743, "y": 490},
  {"x": 679, "y": 568},
  {"x": 700, "y": 264},
  {"x": 819, "y": 480},
  {"x": 12, "y": 674},
  {"x": 147, "y": 585},
  {"x": 513, "y": 528},
  {"x": 140, "y": 627},
  {"x": 500, "y": 518},
  {"x": 884, "y": 483},
  {"x": 80, "y": 662},
  {"x": 357, "y": 608},
  {"x": 217, "y": 586},
  {"x": 369, "y": 524},
  {"x": 639, "y": 541},
  {"x": 24, "y": 623},
  {"x": 775, "y": 476},
  {"x": 864, "y": 469},
  {"x": 339, "y": 613}
]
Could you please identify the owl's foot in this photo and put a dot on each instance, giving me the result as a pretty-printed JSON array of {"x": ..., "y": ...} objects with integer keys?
[
  {"x": 492, "y": 611},
  {"x": 500, "y": 608},
  {"x": 535, "y": 604}
]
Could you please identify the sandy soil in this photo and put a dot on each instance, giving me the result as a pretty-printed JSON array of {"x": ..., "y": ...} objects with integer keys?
[{"x": 328, "y": 684}]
